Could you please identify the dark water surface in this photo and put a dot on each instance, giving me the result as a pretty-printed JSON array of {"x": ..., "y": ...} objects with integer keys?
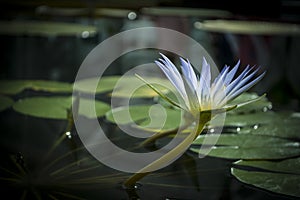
[{"x": 34, "y": 165}]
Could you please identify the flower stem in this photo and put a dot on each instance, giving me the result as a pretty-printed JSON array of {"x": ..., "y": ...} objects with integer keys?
[
  {"x": 159, "y": 135},
  {"x": 171, "y": 155}
]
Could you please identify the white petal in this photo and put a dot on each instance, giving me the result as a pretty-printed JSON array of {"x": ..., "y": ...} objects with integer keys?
[
  {"x": 204, "y": 84},
  {"x": 189, "y": 74},
  {"x": 245, "y": 87}
]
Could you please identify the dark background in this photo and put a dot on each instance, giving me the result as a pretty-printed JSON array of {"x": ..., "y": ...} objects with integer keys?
[
  {"x": 26, "y": 56},
  {"x": 48, "y": 57}
]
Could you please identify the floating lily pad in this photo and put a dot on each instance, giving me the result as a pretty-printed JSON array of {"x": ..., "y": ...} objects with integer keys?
[
  {"x": 46, "y": 107},
  {"x": 132, "y": 87},
  {"x": 141, "y": 92},
  {"x": 96, "y": 85},
  {"x": 56, "y": 107},
  {"x": 249, "y": 115},
  {"x": 5, "y": 102},
  {"x": 100, "y": 108},
  {"x": 279, "y": 124},
  {"x": 247, "y": 146},
  {"x": 284, "y": 166},
  {"x": 251, "y": 119},
  {"x": 172, "y": 96},
  {"x": 12, "y": 87},
  {"x": 245, "y": 140},
  {"x": 253, "y": 153},
  {"x": 44, "y": 28},
  {"x": 51, "y": 86},
  {"x": 124, "y": 87},
  {"x": 143, "y": 114},
  {"x": 249, "y": 27},
  {"x": 283, "y": 129},
  {"x": 282, "y": 176},
  {"x": 262, "y": 104}
]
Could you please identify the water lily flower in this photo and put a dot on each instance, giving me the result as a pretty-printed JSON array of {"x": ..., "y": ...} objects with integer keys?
[
  {"x": 202, "y": 99},
  {"x": 198, "y": 92}
]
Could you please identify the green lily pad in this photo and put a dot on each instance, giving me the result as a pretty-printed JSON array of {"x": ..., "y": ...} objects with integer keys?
[
  {"x": 252, "y": 153},
  {"x": 247, "y": 146},
  {"x": 5, "y": 102},
  {"x": 245, "y": 140},
  {"x": 56, "y": 107},
  {"x": 100, "y": 108},
  {"x": 262, "y": 104},
  {"x": 51, "y": 86},
  {"x": 133, "y": 87},
  {"x": 291, "y": 166},
  {"x": 44, "y": 28},
  {"x": 124, "y": 87},
  {"x": 251, "y": 119},
  {"x": 286, "y": 127},
  {"x": 279, "y": 124},
  {"x": 172, "y": 96},
  {"x": 142, "y": 115},
  {"x": 96, "y": 85},
  {"x": 277, "y": 175},
  {"x": 12, "y": 87},
  {"x": 141, "y": 92}
]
